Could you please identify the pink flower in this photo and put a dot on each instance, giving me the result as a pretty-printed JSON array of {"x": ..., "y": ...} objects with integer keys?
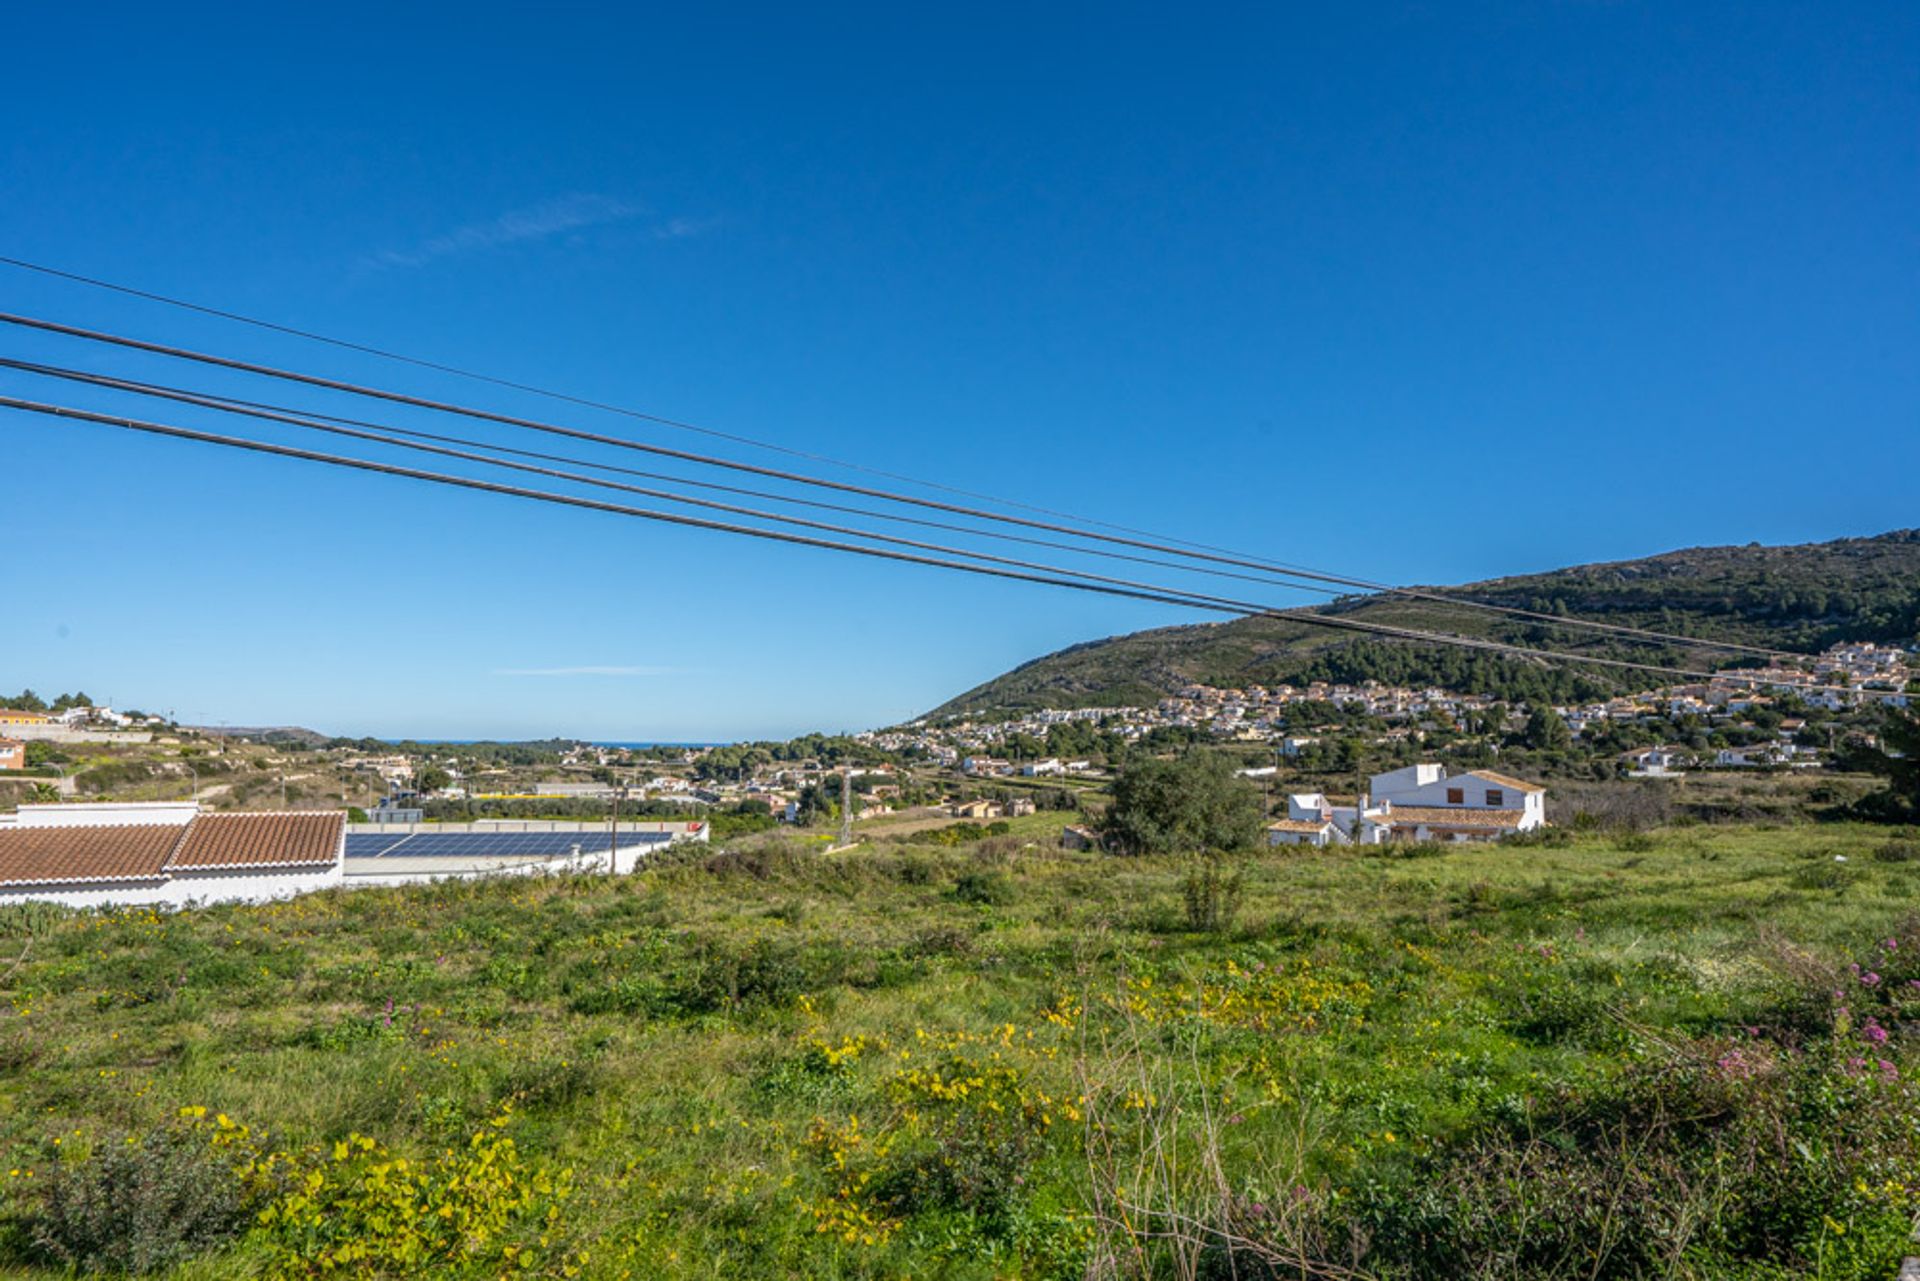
[
  {"x": 1888, "y": 1070},
  {"x": 1870, "y": 979},
  {"x": 1874, "y": 1032}
]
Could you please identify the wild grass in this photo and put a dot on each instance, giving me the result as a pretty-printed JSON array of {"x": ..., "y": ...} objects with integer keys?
[{"x": 1598, "y": 1056}]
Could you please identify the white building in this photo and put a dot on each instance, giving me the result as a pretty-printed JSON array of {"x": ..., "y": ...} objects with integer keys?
[
  {"x": 169, "y": 854},
  {"x": 1299, "y": 831},
  {"x": 1417, "y": 803}
]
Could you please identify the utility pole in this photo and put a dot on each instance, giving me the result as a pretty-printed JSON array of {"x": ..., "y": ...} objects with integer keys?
[
  {"x": 846, "y": 807},
  {"x": 613, "y": 832}
]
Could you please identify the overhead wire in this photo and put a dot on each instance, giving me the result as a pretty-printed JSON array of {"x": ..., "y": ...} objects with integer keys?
[
  {"x": 584, "y": 402},
  {"x": 1111, "y": 587},
  {"x": 314, "y": 419},
  {"x": 385, "y": 438},
  {"x": 1271, "y": 568}
]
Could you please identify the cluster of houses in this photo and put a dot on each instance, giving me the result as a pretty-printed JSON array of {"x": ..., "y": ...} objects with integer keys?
[
  {"x": 69, "y": 725},
  {"x": 1418, "y": 803},
  {"x": 982, "y": 808},
  {"x": 1844, "y": 677},
  {"x": 175, "y": 854}
]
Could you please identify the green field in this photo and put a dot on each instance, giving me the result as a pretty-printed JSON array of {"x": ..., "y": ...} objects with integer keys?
[{"x": 1627, "y": 1056}]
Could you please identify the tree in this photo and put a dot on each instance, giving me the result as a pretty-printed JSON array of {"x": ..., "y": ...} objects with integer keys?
[
  {"x": 40, "y": 752},
  {"x": 432, "y": 778},
  {"x": 1192, "y": 803},
  {"x": 819, "y": 802},
  {"x": 1546, "y": 731},
  {"x": 1898, "y": 761}
]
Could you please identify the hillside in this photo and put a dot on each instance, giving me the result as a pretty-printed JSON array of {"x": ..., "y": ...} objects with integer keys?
[
  {"x": 1614, "y": 1055},
  {"x": 1800, "y": 598}
]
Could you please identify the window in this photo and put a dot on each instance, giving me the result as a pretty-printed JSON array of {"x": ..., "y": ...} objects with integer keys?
[
  {"x": 1496, "y": 797},
  {"x": 1456, "y": 796}
]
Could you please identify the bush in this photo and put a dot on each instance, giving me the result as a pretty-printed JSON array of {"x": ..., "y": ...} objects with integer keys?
[
  {"x": 1211, "y": 896},
  {"x": 766, "y": 972},
  {"x": 978, "y": 1163},
  {"x": 1824, "y": 875},
  {"x": 1897, "y": 852},
  {"x": 989, "y": 889},
  {"x": 140, "y": 1205}
]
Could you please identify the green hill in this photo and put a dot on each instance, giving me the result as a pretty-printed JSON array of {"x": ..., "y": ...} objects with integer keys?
[{"x": 1799, "y": 598}]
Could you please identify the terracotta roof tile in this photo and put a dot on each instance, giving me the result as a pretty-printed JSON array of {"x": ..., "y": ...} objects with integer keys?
[
  {"x": 217, "y": 841},
  {"x": 1299, "y": 825},
  {"x": 50, "y": 855},
  {"x": 1504, "y": 780},
  {"x": 1435, "y": 816}
]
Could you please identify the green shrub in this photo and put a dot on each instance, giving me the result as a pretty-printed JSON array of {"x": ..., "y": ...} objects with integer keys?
[
  {"x": 1211, "y": 896},
  {"x": 977, "y": 1162},
  {"x": 139, "y": 1205},
  {"x": 1824, "y": 875},
  {"x": 989, "y": 889},
  {"x": 1897, "y": 852},
  {"x": 723, "y": 976}
]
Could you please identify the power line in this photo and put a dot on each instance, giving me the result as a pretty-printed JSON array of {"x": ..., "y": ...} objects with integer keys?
[
  {"x": 1136, "y": 591},
  {"x": 402, "y": 398},
  {"x": 383, "y": 438},
  {"x": 379, "y": 433},
  {"x": 316, "y": 421},
  {"x": 564, "y": 397}
]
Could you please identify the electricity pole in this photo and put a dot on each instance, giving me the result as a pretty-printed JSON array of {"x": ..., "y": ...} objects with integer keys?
[
  {"x": 846, "y": 807},
  {"x": 613, "y": 832}
]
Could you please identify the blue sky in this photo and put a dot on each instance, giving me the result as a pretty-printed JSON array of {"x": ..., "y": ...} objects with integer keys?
[{"x": 1423, "y": 293}]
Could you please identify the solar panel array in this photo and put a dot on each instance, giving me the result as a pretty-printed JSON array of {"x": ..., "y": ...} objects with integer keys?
[{"x": 494, "y": 844}]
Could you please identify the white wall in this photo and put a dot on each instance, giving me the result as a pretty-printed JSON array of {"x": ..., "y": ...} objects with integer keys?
[
  {"x": 108, "y": 814},
  {"x": 88, "y": 894},
  {"x": 1401, "y": 784},
  {"x": 188, "y": 889},
  {"x": 181, "y": 889}
]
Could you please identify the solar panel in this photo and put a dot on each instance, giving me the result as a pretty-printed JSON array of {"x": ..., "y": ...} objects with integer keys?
[
  {"x": 497, "y": 844},
  {"x": 373, "y": 844}
]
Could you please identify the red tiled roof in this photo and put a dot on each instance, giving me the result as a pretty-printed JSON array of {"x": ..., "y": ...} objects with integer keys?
[
  {"x": 1504, "y": 780},
  {"x": 220, "y": 841},
  {"x": 1434, "y": 816},
  {"x": 49, "y": 855}
]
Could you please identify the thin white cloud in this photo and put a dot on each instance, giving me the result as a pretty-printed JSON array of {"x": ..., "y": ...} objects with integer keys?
[
  {"x": 592, "y": 670},
  {"x": 539, "y": 222}
]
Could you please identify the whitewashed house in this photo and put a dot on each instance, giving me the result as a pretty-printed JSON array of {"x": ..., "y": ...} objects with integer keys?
[
  {"x": 1297, "y": 831},
  {"x": 1417, "y": 803},
  {"x": 166, "y": 854},
  {"x": 1656, "y": 762},
  {"x": 1424, "y": 803}
]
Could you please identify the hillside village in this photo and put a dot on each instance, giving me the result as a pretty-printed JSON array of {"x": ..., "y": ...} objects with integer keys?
[
  {"x": 1760, "y": 716},
  {"x": 1788, "y": 716}
]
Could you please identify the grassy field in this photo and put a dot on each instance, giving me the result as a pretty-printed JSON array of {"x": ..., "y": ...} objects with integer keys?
[{"x": 1628, "y": 1056}]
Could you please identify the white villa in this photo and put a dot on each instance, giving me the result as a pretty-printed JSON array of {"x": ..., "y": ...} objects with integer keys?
[{"x": 1417, "y": 803}]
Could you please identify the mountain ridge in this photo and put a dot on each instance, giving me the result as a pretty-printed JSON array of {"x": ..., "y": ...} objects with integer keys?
[{"x": 1797, "y": 597}]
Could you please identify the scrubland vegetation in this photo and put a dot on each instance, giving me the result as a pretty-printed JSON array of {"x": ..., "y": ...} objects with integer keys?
[{"x": 1677, "y": 1053}]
